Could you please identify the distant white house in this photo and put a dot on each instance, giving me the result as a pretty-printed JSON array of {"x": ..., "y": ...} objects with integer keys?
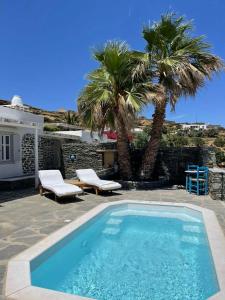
[
  {"x": 194, "y": 126},
  {"x": 86, "y": 136},
  {"x": 137, "y": 130},
  {"x": 15, "y": 122}
]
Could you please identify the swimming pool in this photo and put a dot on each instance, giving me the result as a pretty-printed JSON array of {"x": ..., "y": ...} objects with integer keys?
[{"x": 128, "y": 251}]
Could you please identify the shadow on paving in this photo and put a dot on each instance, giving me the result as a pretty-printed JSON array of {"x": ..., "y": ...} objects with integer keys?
[
  {"x": 103, "y": 193},
  {"x": 63, "y": 200},
  {"x": 18, "y": 194}
]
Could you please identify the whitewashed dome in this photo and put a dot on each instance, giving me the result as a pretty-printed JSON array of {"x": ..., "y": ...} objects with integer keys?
[{"x": 16, "y": 101}]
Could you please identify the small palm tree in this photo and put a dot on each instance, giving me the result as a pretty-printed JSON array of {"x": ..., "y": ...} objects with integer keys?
[
  {"x": 71, "y": 117},
  {"x": 180, "y": 64},
  {"x": 115, "y": 94}
]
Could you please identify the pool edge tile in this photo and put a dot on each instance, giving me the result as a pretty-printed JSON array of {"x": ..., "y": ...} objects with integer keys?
[
  {"x": 17, "y": 276},
  {"x": 36, "y": 293}
]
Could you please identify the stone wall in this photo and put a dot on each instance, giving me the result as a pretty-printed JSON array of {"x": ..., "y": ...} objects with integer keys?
[
  {"x": 217, "y": 184},
  {"x": 28, "y": 154},
  {"x": 170, "y": 166},
  {"x": 207, "y": 156},
  {"x": 172, "y": 162},
  {"x": 86, "y": 157},
  {"x": 55, "y": 154},
  {"x": 49, "y": 152}
]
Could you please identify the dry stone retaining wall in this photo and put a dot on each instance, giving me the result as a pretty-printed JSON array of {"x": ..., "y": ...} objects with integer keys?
[
  {"x": 28, "y": 154},
  {"x": 85, "y": 157},
  {"x": 55, "y": 154},
  {"x": 172, "y": 162},
  {"x": 217, "y": 184},
  {"x": 49, "y": 152}
]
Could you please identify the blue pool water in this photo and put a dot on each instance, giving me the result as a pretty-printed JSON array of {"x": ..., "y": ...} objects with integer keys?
[{"x": 132, "y": 252}]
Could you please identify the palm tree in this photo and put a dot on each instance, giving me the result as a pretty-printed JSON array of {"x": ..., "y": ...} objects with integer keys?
[
  {"x": 180, "y": 64},
  {"x": 71, "y": 117},
  {"x": 114, "y": 95}
]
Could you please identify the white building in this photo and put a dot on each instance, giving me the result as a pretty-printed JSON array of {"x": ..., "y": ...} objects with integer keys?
[
  {"x": 15, "y": 122},
  {"x": 85, "y": 135},
  {"x": 194, "y": 126},
  {"x": 137, "y": 130},
  {"x": 25, "y": 147}
]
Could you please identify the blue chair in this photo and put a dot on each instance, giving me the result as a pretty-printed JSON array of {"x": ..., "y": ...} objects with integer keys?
[
  {"x": 198, "y": 182},
  {"x": 190, "y": 168}
]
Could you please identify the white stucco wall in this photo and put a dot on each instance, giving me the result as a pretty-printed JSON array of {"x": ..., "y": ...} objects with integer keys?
[
  {"x": 20, "y": 116},
  {"x": 13, "y": 167}
]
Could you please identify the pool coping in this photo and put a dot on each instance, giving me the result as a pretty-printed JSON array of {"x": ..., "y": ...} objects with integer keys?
[{"x": 18, "y": 280}]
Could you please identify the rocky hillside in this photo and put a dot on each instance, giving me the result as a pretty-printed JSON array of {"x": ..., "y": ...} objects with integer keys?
[{"x": 49, "y": 116}]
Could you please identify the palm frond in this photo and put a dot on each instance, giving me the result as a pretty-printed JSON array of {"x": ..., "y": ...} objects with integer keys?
[
  {"x": 115, "y": 87},
  {"x": 179, "y": 61}
]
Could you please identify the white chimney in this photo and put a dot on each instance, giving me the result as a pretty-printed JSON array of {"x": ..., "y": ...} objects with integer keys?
[{"x": 17, "y": 101}]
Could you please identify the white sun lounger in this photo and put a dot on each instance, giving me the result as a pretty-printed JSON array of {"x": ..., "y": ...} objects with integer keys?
[
  {"x": 52, "y": 180},
  {"x": 91, "y": 179}
]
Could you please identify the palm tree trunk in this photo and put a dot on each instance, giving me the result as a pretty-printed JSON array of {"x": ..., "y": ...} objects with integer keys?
[
  {"x": 123, "y": 150},
  {"x": 149, "y": 159}
]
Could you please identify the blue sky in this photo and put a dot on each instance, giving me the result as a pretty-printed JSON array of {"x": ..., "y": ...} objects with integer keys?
[{"x": 46, "y": 47}]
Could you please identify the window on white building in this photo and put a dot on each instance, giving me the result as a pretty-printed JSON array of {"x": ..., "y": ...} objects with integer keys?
[{"x": 5, "y": 148}]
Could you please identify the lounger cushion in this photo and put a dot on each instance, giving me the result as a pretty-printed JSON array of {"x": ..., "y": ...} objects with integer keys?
[
  {"x": 64, "y": 189},
  {"x": 52, "y": 180},
  {"x": 104, "y": 184},
  {"x": 87, "y": 174},
  {"x": 89, "y": 177},
  {"x": 50, "y": 177}
]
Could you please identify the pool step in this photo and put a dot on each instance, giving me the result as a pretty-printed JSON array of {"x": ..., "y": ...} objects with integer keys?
[
  {"x": 192, "y": 239},
  {"x": 192, "y": 228},
  {"x": 114, "y": 221},
  {"x": 111, "y": 231}
]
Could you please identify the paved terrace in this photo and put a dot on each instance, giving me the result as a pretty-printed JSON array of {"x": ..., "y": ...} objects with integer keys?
[{"x": 26, "y": 217}]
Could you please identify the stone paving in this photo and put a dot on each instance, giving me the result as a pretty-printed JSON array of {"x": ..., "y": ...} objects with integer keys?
[{"x": 26, "y": 217}]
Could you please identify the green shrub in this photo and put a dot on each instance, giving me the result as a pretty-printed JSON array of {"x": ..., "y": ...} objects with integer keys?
[
  {"x": 163, "y": 142},
  {"x": 198, "y": 141},
  {"x": 211, "y": 133},
  {"x": 219, "y": 142},
  {"x": 141, "y": 139},
  {"x": 147, "y": 130},
  {"x": 195, "y": 133},
  {"x": 50, "y": 128},
  {"x": 165, "y": 129},
  {"x": 220, "y": 157},
  {"x": 174, "y": 140}
]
